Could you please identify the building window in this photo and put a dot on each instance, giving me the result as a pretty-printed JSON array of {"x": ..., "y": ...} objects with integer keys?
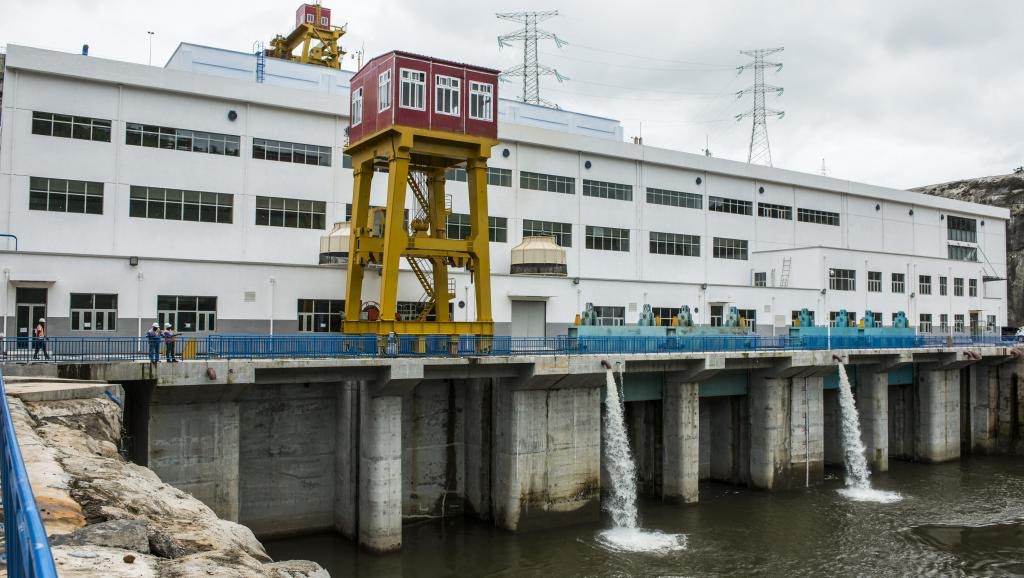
[
  {"x": 446, "y": 95},
  {"x": 774, "y": 211},
  {"x": 943, "y": 286},
  {"x": 607, "y": 239},
  {"x": 561, "y": 231},
  {"x": 456, "y": 174},
  {"x": 293, "y": 213},
  {"x": 817, "y": 217},
  {"x": 972, "y": 287},
  {"x": 925, "y": 325},
  {"x": 179, "y": 205},
  {"x": 958, "y": 287},
  {"x": 187, "y": 313},
  {"x": 851, "y": 318},
  {"x": 924, "y": 284},
  {"x": 179, "y": 139},
  {"x": 729, "y": 249},
  {"x": 481, "y": 101},
  {"x": 961, "y": 229},
  {"x": 66, "y": 126},
  {"x": 93, "y": 312},
  {"x": 958, "y": 323},
  {"x": 291, "y": 152},
  {"x": 749, "y": 318},
  {"x": 879, "y": 318},
  {"x": 899, "y": 283},
  {"x": 760, "y": 279},
  {"x": 65, "y": 196},
  {"x": 991, "y": 322},
  {"x": 357, "y": 106},
  {"x": 796, "y": 317},
  {"x": 674, "y": 198},
  {"x": 550, "y": 183},
  {"x": 874, "y": 281},
  {"x": 842, "y": 279},
  {"x": 610, "y": 315},
  {"x": 605, "y": 190},
  {"x": 962, "y": 253},
  {"x": 321, "y": 315},
  {"x": 497, "y": 229},
  {"x": 944, "y": 323},
  {"x": 665, "y": 315},
  {"x": 458, "y": 226},
  {"x": 675, "y": 244},
  {"x": 734, "y": 206},
  {"x": 323, "y": 21},
  {"x": 413, "y": 89},
  {"x": 384, "y": 91},
  {"x": 499, "y": 177},
  {"x": 309, "y": 18}
]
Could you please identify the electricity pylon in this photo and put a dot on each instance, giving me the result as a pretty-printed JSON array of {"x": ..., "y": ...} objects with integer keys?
[
  {"x": 530, "y": 69},
  {"x": 760, "y": 151}
]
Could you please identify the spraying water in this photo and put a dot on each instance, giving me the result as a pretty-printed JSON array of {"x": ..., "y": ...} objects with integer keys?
[
  {"x": 625, "y": 536},
  {"x": 858, "y": 476},
  {"x": 621, "y": 503}
]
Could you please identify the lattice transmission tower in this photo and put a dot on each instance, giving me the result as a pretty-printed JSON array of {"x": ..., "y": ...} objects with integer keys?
[
  {"x": 530, "y": 69},
  {"x": 760, "y": 150}
]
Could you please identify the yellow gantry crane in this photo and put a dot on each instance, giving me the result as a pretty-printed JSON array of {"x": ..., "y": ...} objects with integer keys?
[{"x": 318, "y": 40}]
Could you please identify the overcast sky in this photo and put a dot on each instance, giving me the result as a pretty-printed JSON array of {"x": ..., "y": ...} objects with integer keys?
[{"x": 900, "y": 94}]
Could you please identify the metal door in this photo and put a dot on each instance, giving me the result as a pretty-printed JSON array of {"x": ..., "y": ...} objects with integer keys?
[
  {"x": 31, "y": 307},
  {"x": 529, "y": 319}
]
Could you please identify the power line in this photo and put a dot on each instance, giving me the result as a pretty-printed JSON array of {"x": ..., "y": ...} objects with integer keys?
[
  {"x": 661, "y": 91},
  {"x": 648, "y": 57},
  {"x": 634, "y": 67},
  {"x": 530, "y": 69},
  {"x": 760, "y": 151}
]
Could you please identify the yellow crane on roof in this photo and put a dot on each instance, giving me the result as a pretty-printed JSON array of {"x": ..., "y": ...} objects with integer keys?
[{"x": 317, "y": 38}]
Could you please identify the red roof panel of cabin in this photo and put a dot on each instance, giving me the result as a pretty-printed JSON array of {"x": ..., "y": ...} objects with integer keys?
[{"x": 423, "y": 92}]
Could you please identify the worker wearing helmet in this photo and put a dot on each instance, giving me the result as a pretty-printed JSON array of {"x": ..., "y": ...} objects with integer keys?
[
  {"x": 169, "y": 336},
  {"x": 39, "y": 340},
  {"x": 153, "y": 336}
]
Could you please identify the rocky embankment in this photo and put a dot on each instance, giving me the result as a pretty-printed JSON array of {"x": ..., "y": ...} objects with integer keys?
[
  {"x": 1005, "y": 191},
  {"x": 109, "y": 517}
]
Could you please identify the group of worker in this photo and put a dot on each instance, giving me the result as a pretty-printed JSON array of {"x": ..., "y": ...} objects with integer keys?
[{"x": 167, "y": 336}]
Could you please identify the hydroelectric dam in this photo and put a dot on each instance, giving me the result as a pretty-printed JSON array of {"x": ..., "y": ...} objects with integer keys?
[{"x": 361, "y": 446}]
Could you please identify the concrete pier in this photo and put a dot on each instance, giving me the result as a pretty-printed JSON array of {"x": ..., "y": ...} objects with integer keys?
[
  {"x": 873, "y": 407},
  {"x": 681, "y": 435},
  {"x": 380, "y": 471},
  {"x": 937, "y": 422}
]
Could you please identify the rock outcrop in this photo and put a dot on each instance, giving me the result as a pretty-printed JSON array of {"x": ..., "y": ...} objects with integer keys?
[
  {"x": 109, "y": 517},
  {"x": 1005, "y": 191}
]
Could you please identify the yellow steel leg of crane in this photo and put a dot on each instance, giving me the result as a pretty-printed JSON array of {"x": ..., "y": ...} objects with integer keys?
[
  {"x": 476, "y": 170},
  {"x": 396, "y": 239},
  {"x": 362, "y": 175},
  {"x": 438, "y": 229}
]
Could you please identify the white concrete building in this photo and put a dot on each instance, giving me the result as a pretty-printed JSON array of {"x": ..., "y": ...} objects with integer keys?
[{"x": 157, "y": 199}]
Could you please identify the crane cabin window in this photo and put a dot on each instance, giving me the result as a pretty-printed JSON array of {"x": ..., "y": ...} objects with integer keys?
[
  {"x": 357, "y": 106},
  {"x": 384, "y": 91},
  {"x": 481, "y": 101},
  {"x": 446, "y": 96},
  {"x": 414, "y": 84}
]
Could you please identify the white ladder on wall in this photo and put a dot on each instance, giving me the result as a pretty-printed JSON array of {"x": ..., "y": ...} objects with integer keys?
[{"x": 784, "y": 278}]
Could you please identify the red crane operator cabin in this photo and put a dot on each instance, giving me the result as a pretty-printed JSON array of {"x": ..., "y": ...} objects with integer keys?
[{"x": 403, "y": 89}]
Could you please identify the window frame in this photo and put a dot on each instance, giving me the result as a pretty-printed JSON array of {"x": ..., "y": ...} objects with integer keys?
[
  {"x": 610, "y": 315},
  {"x": 607, "y": 190},
  {"x": 924, "y": 284},
  {"x": 485, "y": 96},
  {"x": 357, "y": 104},
  {"x": 774, "y": 211},
  {"x": 671, "y": 198},
  {"x": 320, "y": 315},
  {"x": 730, "y": 206},
  {"x": 279, "y": 211},
  {"x": 75, "y": 124},
  {"x": 899, "y": 283},
  {"x": 601, "y": 238},
  {"x": 183, "y": 205},
  {"x": 417, "y": 87},
  {"x": 675, "y": 244},
  {"x": 542, "y": 230},
  {"x": 453, "y": 94},
  {"x": 548, "y": 183},
  {"x": 384, "y": 90},
  {"x": 958, "y": 286},
  {"x": 57, "y": 196},
  {"x": 177, "y": 316},
  {"x": 93, "y": 312},
  {"x": 724, "y": 247},
  {"x": 818, "y": 217},
  {"x": 874, "y": 281},
  {"x": 842, "y": 279}
]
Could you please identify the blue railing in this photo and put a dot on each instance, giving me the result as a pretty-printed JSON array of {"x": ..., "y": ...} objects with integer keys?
[
  {"x": 329, "y": 346},
  {"x": 27, "y": 550}
]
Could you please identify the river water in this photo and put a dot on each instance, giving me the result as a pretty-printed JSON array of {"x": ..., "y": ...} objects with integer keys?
[{"x": 954, "y": 519}]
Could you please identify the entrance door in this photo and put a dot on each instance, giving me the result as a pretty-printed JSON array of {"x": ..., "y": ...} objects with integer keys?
[
  {"x": 529, "y": 319},
  {"x": 31, "y": 306},
  {"x": 975, "y": 328}
]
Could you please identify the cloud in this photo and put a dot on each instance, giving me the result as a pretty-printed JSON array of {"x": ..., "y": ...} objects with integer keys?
[{"x": 899, "y": 94}]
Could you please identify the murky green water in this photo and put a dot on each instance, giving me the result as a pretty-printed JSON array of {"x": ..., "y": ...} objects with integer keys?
[{"x": 955, "y": 519}]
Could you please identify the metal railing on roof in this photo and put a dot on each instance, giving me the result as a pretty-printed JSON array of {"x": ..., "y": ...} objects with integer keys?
[
  {"x": 335, "y": 345},
  {"x": 27, "y": 549}
]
